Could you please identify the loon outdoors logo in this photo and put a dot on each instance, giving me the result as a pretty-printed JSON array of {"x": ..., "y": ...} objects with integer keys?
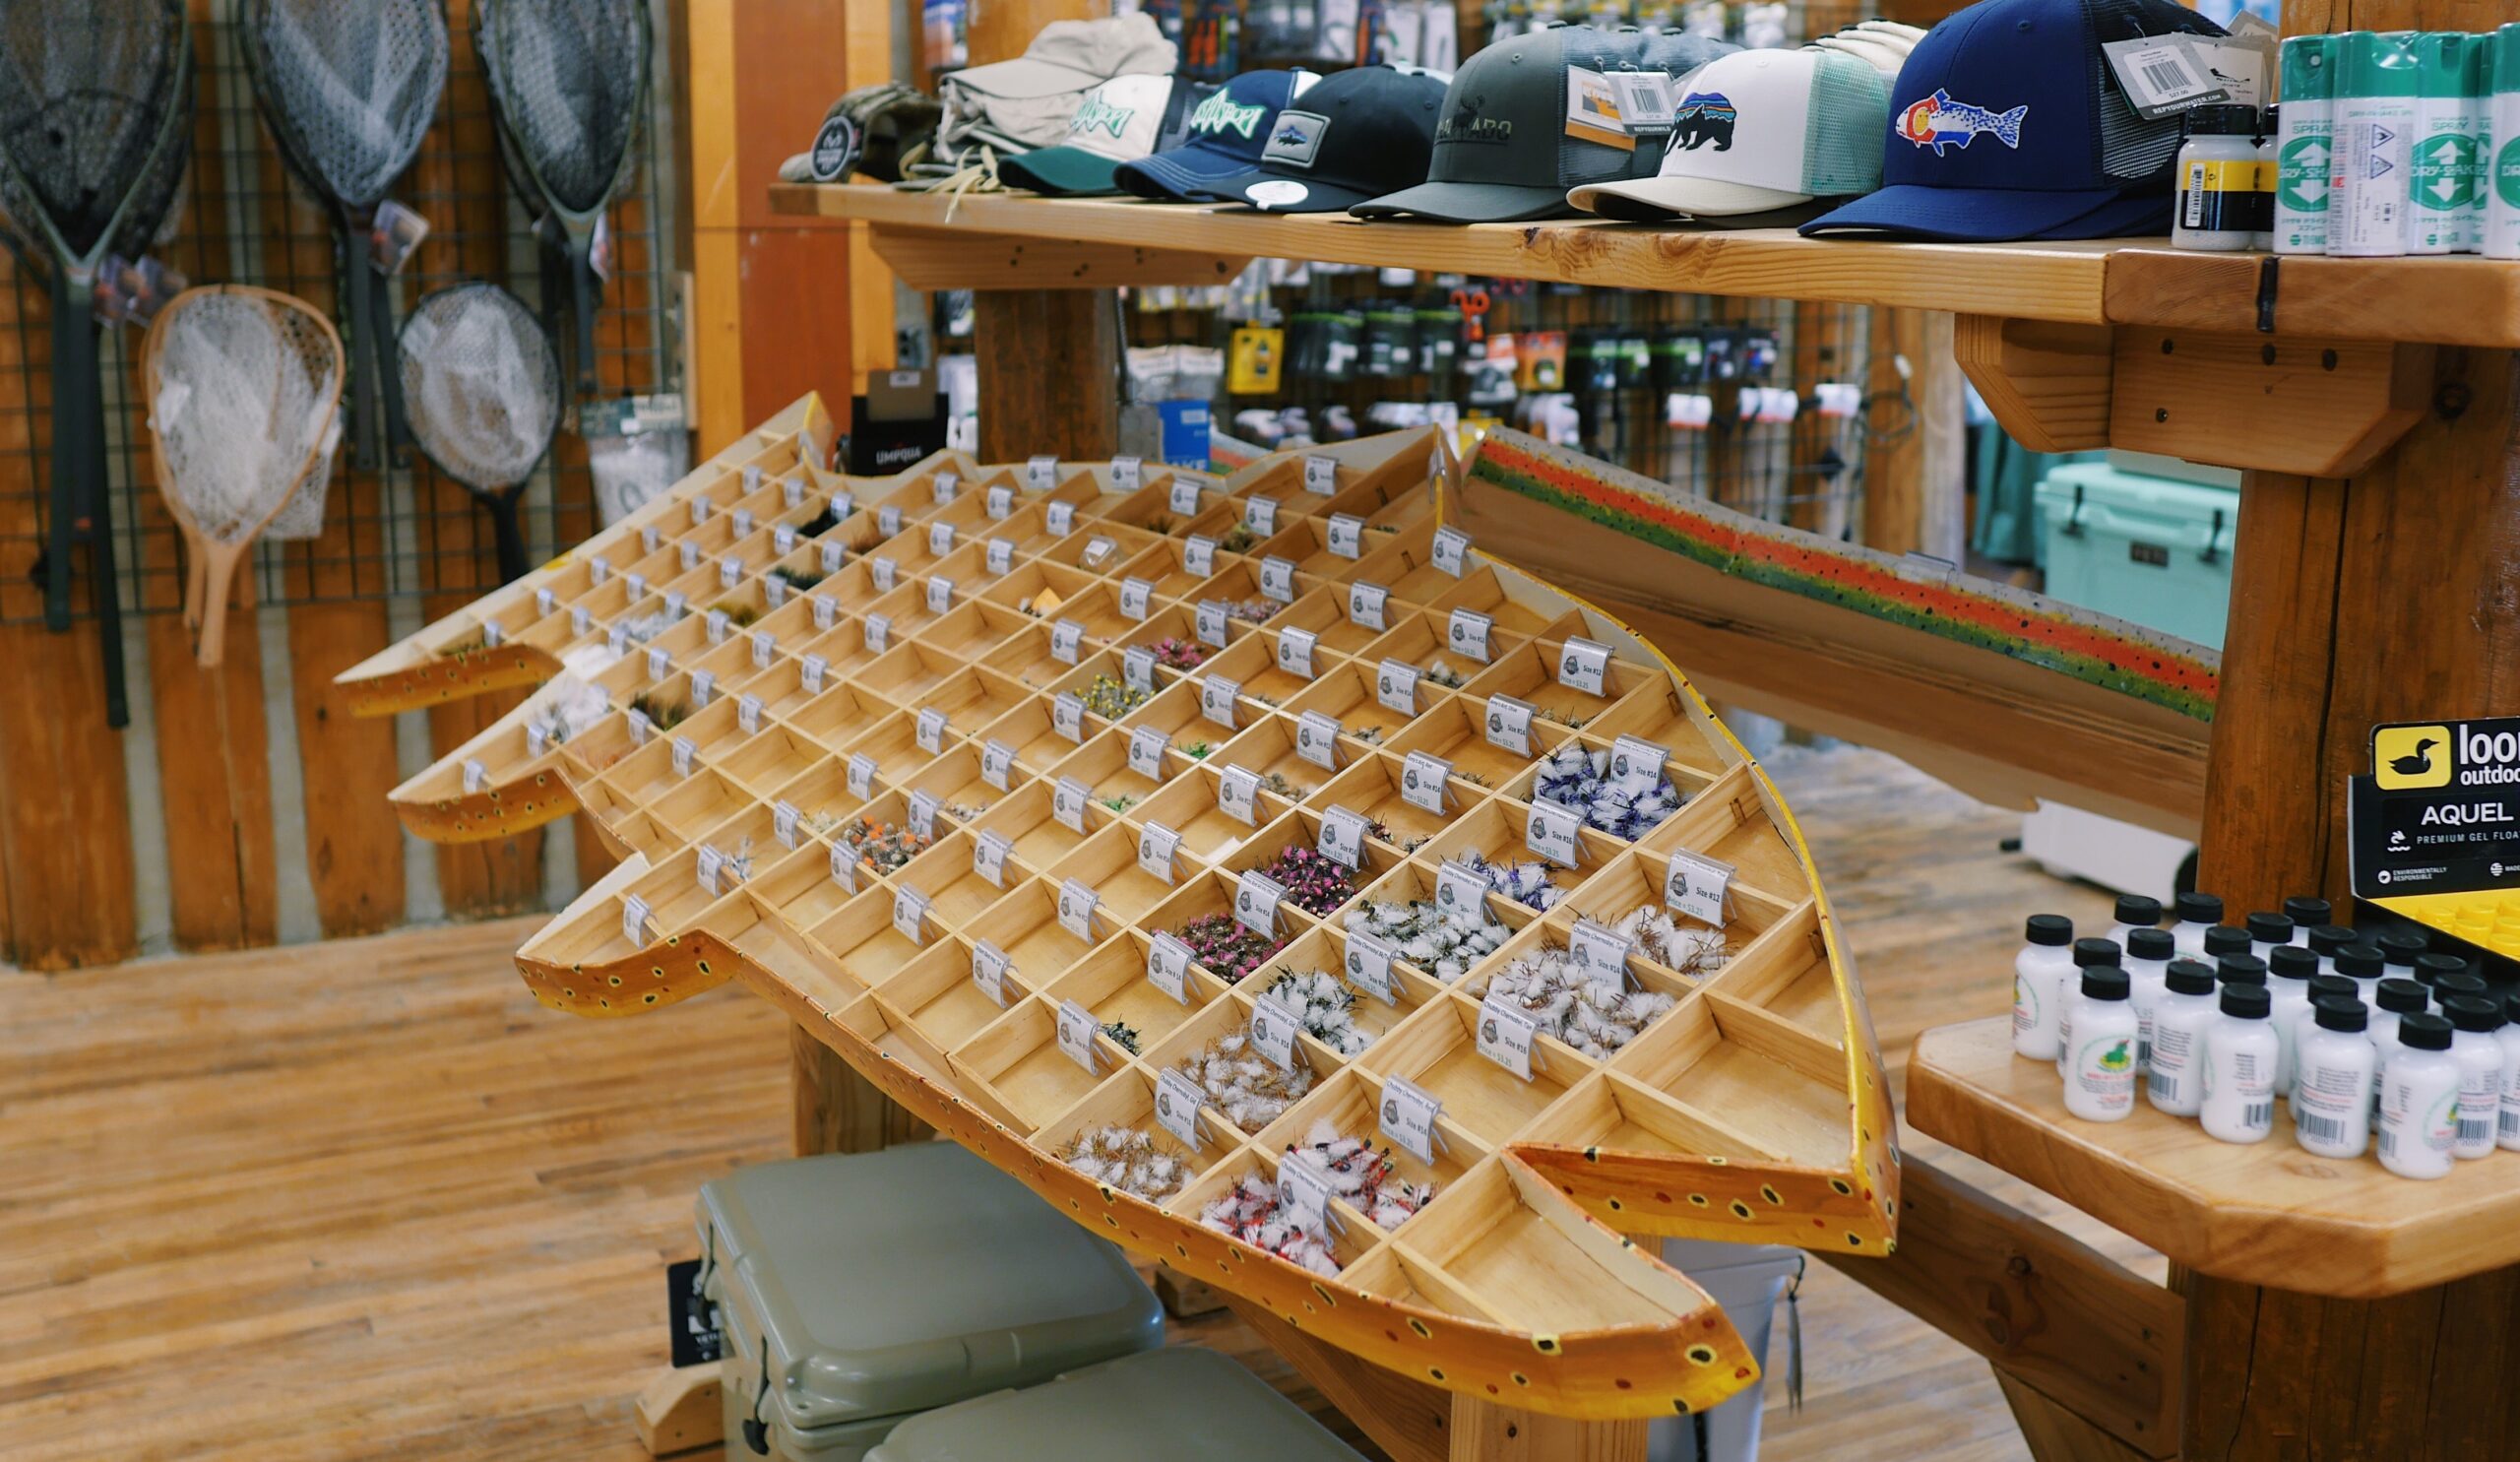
[
  {"x": 2440, "y": 812},
  {"x": 1704, "y": 117},
  {"x": 1296, "y": 141},
  {"x": 1221, "y": 113},
  {"x": 1464, "y": 124},
  {"x": 1940, "y": 123},
  {"x": 835, "y": 150},
  {"x": 1097, "y": 114}
]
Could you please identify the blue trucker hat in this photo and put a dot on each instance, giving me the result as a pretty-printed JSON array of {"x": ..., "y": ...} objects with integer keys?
[
  {"x": 2006, "y": 123},
  {"x": 1225, "y": 135}
]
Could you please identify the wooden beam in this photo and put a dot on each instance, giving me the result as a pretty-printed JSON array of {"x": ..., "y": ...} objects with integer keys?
[
  {"x": 836, "y": 1110},
  {"x": 1483, "y": 1432},
  {"x": 2056, "y": 1435},
  {"x": 1409, "y": 1419},
  {"x": 1048, "y": 362},
  {"x": 2325, "y": 409},
  {"x": 945, "y": 259}
]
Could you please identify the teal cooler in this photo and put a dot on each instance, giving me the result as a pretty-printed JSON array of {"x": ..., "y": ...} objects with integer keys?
[
  {"x": 2154, "y": 550},
  {"x": 873, "y": 1287}
]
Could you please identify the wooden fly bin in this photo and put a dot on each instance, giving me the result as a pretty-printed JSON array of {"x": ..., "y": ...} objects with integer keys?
[
  {"x": 1548, "y": 935},
  {"x": 1730, "y": 824},
  {"x": 1349, "y": 693},
  {"x": 1529, "y": 1260},
  {"x": 1301, "y": 828},
  {"x": 1208, "y": 897},
  {"x": 1415, "y": 882},
  {"x": 1423, "y": 639},
  {"x": 1437, "y": 1049},
  {"x": 970, "y": 699},
  {"x": 861, "y": 936},
  {"x": 1015, "y": 1066},
  {"x": 1351, "y": 1103},
  {"x": 1634, "y": 881},
  {"x": 1150, "y": 510},
  {"x": 1240, "y": 587},
  {"x": 909, "y": 674},
  {"x": 901, "y": 612},
  {"x": 1507, "y": 602},
  {"x": 699, "y": 802},
  {"x": 1266, "y": 747},
  {"x": 1324, "y": 950},
  {"x": 1024, "y": 655},
  {"x": 1112, "y": 983},
  {"x": 771, "y": 759},
  {"x": 1783, "y": 972},
  {"x": 1349, "y": 1237},
  {"x": 1026, "y": 819},
  {"x": 1323, "y": 610},
  {"x": 1778, "y": 1089},
  {"x": 953, "y": 779},
  {"x": 1175, "y": 714},
  {"x": 1107, "y": 863},
  {"x": 1252, "y": 663},
  {"x": 1371, "y": 788},
  {"x": 1127, "y": 1102},
  {"x": 1683, "y": 778},
  {"x": 1189, "y": 805},
  {"x": 1174, "y": 623},
  {"x": 1025, "y": 924},
  {"x": 1402, "y": 564},
  {"x": 1497, "y": 831},
  {"x": 1103, "y": 611},
  {"x": 1164, "y": 567},
  {"x": 1095, "y": 549},
  {"x": 976, "y": 627},
  {"x": 1529, "y": 674},
  {"x": 799, "y": 891},
  {"x": 1305, "y": 542}
]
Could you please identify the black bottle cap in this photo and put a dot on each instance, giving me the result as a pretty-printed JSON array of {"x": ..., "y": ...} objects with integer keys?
[
  {"x": 2226, "y": 119},
  {"x": 2198, "y": 907},
  {"x": 2472, "y": 1013},
  {"x": 2359, "y": 960},
  {"x": 2449, "y": 986},
  {"x": 2140, "y": 910},
  {"x": 2151, "y": 944},
  {"x": 2306, "y": 911},
  {"x": 2241, "y": 969},
  {"x": 2512, "y": 1007},
  {"x": 2226, "y": 938},
  {"x": 2334, "y": 987},
  {"x": 2431, "y": 967},
  {"x": 2248, "y": 1002},
  {"x": 2196, "y": 978},
  {"x": 2402, "y": 949},
  {"x": 2425, "y": 1032},
  {"x": 2404, "y": 996},
  {"x": 2103, "y": 983},
  {"x": 2270, "y": 928},
  {"x": 2328, "y": 938},
  {"x": 2341, "y": 1013},
  {"x": 2048, "y": 928},
  {"x": 2292, "y": 962},
  {"x": 2090, "y": 952}
]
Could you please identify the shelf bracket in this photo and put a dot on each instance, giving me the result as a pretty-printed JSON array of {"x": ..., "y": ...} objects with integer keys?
[
  {"x": 930, "y": 259},
  {"x": 2323, "y": 408}
]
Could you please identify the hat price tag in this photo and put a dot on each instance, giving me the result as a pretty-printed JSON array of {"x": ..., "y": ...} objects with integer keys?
[
  {"x": 1407, "y": 1118},
  {"x": 1467, "y": 633},
  {"x": 1294, "y": 651},
  {"x": 1273, "y": 1027},
  {"x": 1320, "y": 475},
  {"x": 685, "y": 753},
  {"x": 1210, "y": 624},
  {"x": 999, "y": 501},
  {"x": 989, "y": 965},
  {"x": 1343, "y": 838},
  {"x": 1060, "y": 518},
  {"x": 998, "y": 558},
  {"x": 988, "y": 856},
  {"x": 1647, "y": 102},
  {"x": 1177, "y": 1107},
  {"x": 1585, "y": 665},
  {"x": 1698, "y": 886},
  {"x": 1042, "y": 474},
  {"x": 877, "y": 633},
  {"x": 1369, "y": 961},
  {"x": 1076, "y": 1028},
  {"x": 1183, "y": 496},
  {"x": 1260, "y": 515},
  {"x": 1509, "y": 725},
  {"x": 1216, "y": 696},
  {"x": 1137, "y": 668},
  {"x": 844, "y": 866},
  {"x": 1146, "y": 745},
  {"x": 1238, "y": 795},
  {"x": 1277, "y": 578},
  {"x": 1506, "y": 1034},
  {"x": 940, "y": 539},
  {"x": 942, "y": 487},
  {"x": 1076, "y": 905},
  {"x": 1599, "y": 954},
  {"x": 1168, "y": 966},
  {"x": 1347, "y": 535},
  {"x": 884, "y": 572},
  {"x": 1256, "y": 897},
  {"x": 634, "y": 919},
  {"x": 940, "y": 594},
  {"x": 1452, "y": 551},
  {"x": 1128, "y": 473},
  {"x": 1199, "y": 555},
  {"x": 748, "y": 713},
  {"x": 861, "y": 774},
  {"x": 910, "y": 913},
  {"x": 1067, "y": 716},
  {"x": 1160, "y": 852},
  {"x": 1066, "y": 636},
  {"x": 2160, "y": 75},
  {"x": 1426, "y": 782},
  {"x": 997, "y": 759},
  {"x": 1593, "y": 111},
  {"x": 810, "y": 671},
  {"x": 1068, "y": 798},
  {"x": 929, "y": 728},
  {"x": 1550, "y": 833},
  {"x": 1365, "y": 605},
  {"x": 1396, "y": 686},
  {"x": 784, "y": 817},
  {"x": 1317, "y": 739}
]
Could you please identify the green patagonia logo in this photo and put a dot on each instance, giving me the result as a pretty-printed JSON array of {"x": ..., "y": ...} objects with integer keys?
[
  {"x": 2446, "y": 172},
  {"x": 2301, "y": 174}
]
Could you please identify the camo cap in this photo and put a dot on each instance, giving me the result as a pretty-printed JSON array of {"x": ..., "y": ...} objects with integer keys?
[
  {"x": 2006, "y": 123},
  {"x": 1224, "y": 136}
]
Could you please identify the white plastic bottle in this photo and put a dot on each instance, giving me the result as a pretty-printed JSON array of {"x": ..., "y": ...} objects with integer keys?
[
  {"x": 2216, "y": 207},
  {"x": 2287, "y": 988},
  {"x": 2099, "y": 1079},
  {"x": 2507, "y": 1131},
  {"x": 2089, "y": 954},
  {"x": 2039, "y": 983},
  {"x": 2266, "y": 931},
  {"x": 2439, "y": 181},
  {"x": 2222, "y": 940},
  {"x": 2240, "y": 1050},
  {"x": 2303, "y": 909},
  {"x": 2307, "y": 140},
  {"x": 2420, "y": 1099},
  {"x": 2392, "y": 1000},
  {"x": 2243, "y": 968},
  {"x": 2399, "y": 951},
  {"x": 2323, "y": 988},
  {"x": 2433, "y": 970},
  {"x": 2473, "y": 1022},
  {"x": 2325, "y": 940},
  {"x": 2147, "y": 966},
  {"x": 2192, "y": 915},
  {"x": 2332, "y": 1081},
  {"x": 2175, "y": 1084},
  {"x": 2449, "y": 987},
  {"x": 2133, "y": 912},
  {"x": 2359, "y": 963}
]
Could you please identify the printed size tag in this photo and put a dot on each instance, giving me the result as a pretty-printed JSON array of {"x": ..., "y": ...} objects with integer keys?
[
  {"x": 676, "y": 601},
  {"x": 1158, "y": 848},
  {"x": 649, "y": 540},
  {"x": 704, "y": 683},
  {"x": 775, "y": 590},
  {"x": 844, "y": 866},
  {"x": 711, "y": 865},
  {"x": 730, "y": 571},
  {"x": 861, "y": 775},
  {"x": 1407, "y": 1118},
  {"x": 1128, "y": 473},
  {"x": 998, "y": 760},
  {"x": 1256, "y": 897},
  {"x": 1066, "y": 637},
  {"x": 616, "y": 639},
  {"x": 1585, "y": 665},
  {"x": 810, "y": 671},
  {"x": 545, "y": 601},
  {"x": 1137, "y": 598},
  {"x": 537, "y": 740},
  {"x": 743, "y": 522},
  {"x": 999, "y": 557},
  {"x": 1303, "y": 1192},
  {"x": 1199, "y": 555},
  {"x": 1317, "y": 739},
  {"x": 1216, "y": 696},
  {"x": 1147, "y": 747},
  {"x": 752, "y": 478},
  {"x": 940, "y": 595},
  {"x": 888, "y": 521},
  {"x": 782, "y": 540},
  {"x": 1424, "y": 778},
  {"x": 1238, "y": 795},
  {"x": 1636, "y": 765},
  {"x": 784, "y": 818},
  {"x": 1369, "y": 958},
  {"x": 685, "y": 753},
  {"x": 637, "y": 585},
  {"x": 1060, "y": 517},
  {"x": 942, "y": 487},
  {"x": 1067, "y": 803},
  {"x": 929, "y": 728},
  {"x": 1599, "y": 954},
  {"x": 748, "y": 713},
  {"x": 842, "y": 505},
  {"x": 1067, "y": 716},
  {"x": 1698, "y": 886},
  {"x": 1260, "y": 515},
  {"x": 910, "y": 913},
  {"x": 1365, "y": 604},
  {"x": 834, "y": 554},
  {"x": 580, "y": 621},
  {"x": 878, "y": 633},
  {"x": 1210, "y": 624},
  {"x": 634, "y": 919},
  {"x": 1042, "y": 474},
  {"x": 493, "y": 634},
  {"x": 1294, "y": 651},
  {"x": 599, "y": 569},
  {"x": 940, "y": 539},
  {"x": 884, "y": 572},
  {"x": 1505, "y": 1036},
  {"x": 1000, "y": 501},
  {"x": 1168, "y": 966},
  {"x": 989, "y": 965},
  {"x": 1277, "y": 578},
  {"x": 988, "y": 856},
  {"x": 923, "y": 808},
  {"x": 1461, "y": 891},
  {"x": 1320, "y": 475},
  {"x": 1177, "y": 1107},
  {"x": 1137, "y": 668},
  {"x": 476, "y": 775},
  {"x": 1467, "y": 633},
  {"x": 1274, "y": 1029},
  {"x": 791, "y": 491},
  {"x": 765, "y": 645},
  {"x": 1347, "y": 535},
  {"x": 826, "y": 611},
  {"x": 1343, "y": 838},
  {"x": 1077, "y": 902},
  {"x": 640, "y": 727},
  {"x": 1550, "y": 833},
  {"x": 1509, "y": 725},
  {"x": 1396, "y": 686},
  {"x": 1183, "y": 496}
]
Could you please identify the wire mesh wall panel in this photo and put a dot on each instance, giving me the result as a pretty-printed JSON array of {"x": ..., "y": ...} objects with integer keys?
[{"x": 407, "y": 532}]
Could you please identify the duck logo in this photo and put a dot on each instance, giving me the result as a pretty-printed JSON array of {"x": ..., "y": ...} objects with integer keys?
[
  {"x": 1704, "y": 117},
  {"x": 1940, "y": 123},
  {"x": 2411, "y": 756}
]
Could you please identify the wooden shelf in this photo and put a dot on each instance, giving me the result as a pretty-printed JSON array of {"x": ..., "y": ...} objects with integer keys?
[
  {"x": 2268, "y": 1214},
  {"x": 2100, "y": 281}
]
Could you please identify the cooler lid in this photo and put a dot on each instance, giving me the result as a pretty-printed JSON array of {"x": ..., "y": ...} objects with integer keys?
[
  {"x": 900, "y": 1280},
  {"x": 1179, "y": 1402}
]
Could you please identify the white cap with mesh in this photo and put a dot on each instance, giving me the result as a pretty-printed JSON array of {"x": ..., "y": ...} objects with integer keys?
[{"x": 1758, "y": 131}]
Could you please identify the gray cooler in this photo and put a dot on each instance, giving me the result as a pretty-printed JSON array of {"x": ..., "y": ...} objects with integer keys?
[
  {"x": 875, "y": 1286},
  {"x": 1161, "y": 1406}
]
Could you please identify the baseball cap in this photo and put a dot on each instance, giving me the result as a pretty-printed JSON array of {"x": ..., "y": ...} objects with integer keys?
[
  {"x": 1360, "y": 133},
  {"x": 2006, "y": 123},
  {"x": 1225, "y": 135},
  {"x": 1758, "y": 131},
  {"x": 1119, "y": 121},
  {"x": 1511, "y": 140},
  {"x": 1885, "y": 45},
  {"x": 1068, "y": 56}
]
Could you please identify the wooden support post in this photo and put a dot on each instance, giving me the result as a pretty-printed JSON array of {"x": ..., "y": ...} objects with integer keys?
[
  {"x": 1483, "y": 1432},
  {"x": 1048, "y": 361},
  {"x": 836, "y": 1108},
  {"x": 681, "y": 1409}
]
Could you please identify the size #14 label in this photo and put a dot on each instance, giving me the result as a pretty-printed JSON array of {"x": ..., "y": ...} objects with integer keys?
[{"x": 1505, "y": 1036}]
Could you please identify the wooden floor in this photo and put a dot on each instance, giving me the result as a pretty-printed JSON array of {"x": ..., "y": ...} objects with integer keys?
[{"x": 365, "y": 1200}]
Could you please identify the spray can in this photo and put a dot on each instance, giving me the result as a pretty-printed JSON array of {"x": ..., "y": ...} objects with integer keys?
[
  {"x": 2377, "y": 77},
  {"x": 2304, "y": 154},
  {"x": 2503, "y": 170},
  {"x": 2443, "y": 178}
]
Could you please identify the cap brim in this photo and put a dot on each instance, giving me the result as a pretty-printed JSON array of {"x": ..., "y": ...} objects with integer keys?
[
  {"x": 1318, "y": 197},
  {"x": 1653, "y": 199},
  {"x": 1469, "y": 203},
  {"x": 1063, "y": 170},
  {"x": 1997, "y": 215},
  {"x": 1186, "y": 174}
]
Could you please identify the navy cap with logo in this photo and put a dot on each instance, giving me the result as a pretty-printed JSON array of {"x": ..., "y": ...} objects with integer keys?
[
  {"x": 1223, "y": 136},
  {"x": 2006, "y": 123},
  {"x": 1357, "y": 135},
  {"x": 1508, "y": 143}
]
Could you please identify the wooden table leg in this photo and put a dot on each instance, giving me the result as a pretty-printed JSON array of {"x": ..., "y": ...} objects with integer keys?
[
  {"x": 1048, "y": 363},
  {"x": 1483, "y": 1432},
  {"x": 836, "y": 1108}
]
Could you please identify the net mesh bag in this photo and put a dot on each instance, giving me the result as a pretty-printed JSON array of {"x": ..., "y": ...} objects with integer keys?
[
  {"x": 353, "y": 86},
  {"x": 245, "y": 394},
  {"x": 570, "y": 77},
  {"x": 482, "y": 384},
  {"x": 86, "y": 93}
]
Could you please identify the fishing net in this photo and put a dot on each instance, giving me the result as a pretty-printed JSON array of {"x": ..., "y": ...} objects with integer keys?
[
  {"x": 484, "y": 390},
  {"x": 244, "y": 391}
]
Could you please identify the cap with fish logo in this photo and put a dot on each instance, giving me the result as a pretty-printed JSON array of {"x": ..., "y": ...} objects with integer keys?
[
  {"x": 1360, "y": 133},
  {"x": 1223, "y": 137},
  {"x": 2008, "y": 123}
]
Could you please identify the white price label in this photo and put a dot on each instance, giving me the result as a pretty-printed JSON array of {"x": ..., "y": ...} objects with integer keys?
[
  {"x": 1159, "y": 849},
  {"x": 1199, "y": 555},
  {"x": 717, "y": 625},
  {"x": 1256, "y": 897},
  {"x": 1260, "y": 515},
  {"x": 1277, "y": 578},
  {"x": 1407, "y": 1118},
  {"x": 544, "y": 601},
  {"x": 636, "y": 586},
  {"x": 1067, "y": 803},
  {"x": 1060, "y": 517},
  {"x": 929, "y": 728},
  {"x": 701, "y": 507},
  {"x": 1304, "y": 1195},
  {"x": 1343, "y": 838},
  {"x": 997, "y": 761},
  {"x": 1146, "y": 745},
  {"x": 616, "y": 638},
  {"x": 580, "y": 621},
  {"x": 782, "y": 540},
  {"x": 842, "y": 505},
  {"x": 1424, "y": 781},
  {"x": 743, "y": 522},
  {"x": 1128, "y": 473},
  {"x": 704, "y": 683},
  {"x": 1042, "y": 474},
  {"x": 1077, "y": 902},
  {"x": 685, "y": 753},
  {"x": 476, "y": 775},
  {"x": 748, "y": 713},
  {"x": 712, "y": 865},
  {"x": 923, "y": 808},
  {"x": 884, "y": 572},
  {"x": 775, "y": 590},
  {"x": 1137, "y": 668},
  {"x": 1366, "y": 604},
  {"x": 1467, "y": 633},
  {"x": 940, "y": 539},
  {"x": 1549, "y": 832},
  {"x": 752, "y": 478},
  {"x": 910, "y": 913},
  {"x": 1000, "y": 501},
  {"x": 1210, "y": 624},
  {"x": 1317, "y": 739},
  {"x": 826, "y": 611},
  {"x": 1585, "y": 665},
  {"x": 999, "y": 557},
  {"x": 1274, "y": 1029},
  {"x": 634, "y": 921},
  {"x": 675, "y": 601},
  {"x": 765, "y": 645},
  {"x": 810, "y": 671},
  {"x": 730, "y": 571},
  {"x": 1346, "y": 535},
  {"x": 1066, "y": 637},
  {"x": 640, "y": 727},
  {"x": 1177, "y": 1099},
  {"x": 876, "y": 633},
  {"x": 1168, "y": 966},
  {"x": 1238, "y": 795},
  {"x": 989, "y": 965},
  {"x": 940, "y": 594},
  {"x": 1636, "y": 765},
  {"x": 861, "y": 775},
  {"x": 1183, "y": 496},
  {"x": 1294, "y": 651},
  {"x": 1067, "y": 716},
  {"x": 1368, "y": 961},
  {"x": 1320, "y": 475},
  {"x": 791, "y": 491},
  {"x": 1505, "y": 1036},
  {"x": 1698, "y": 886},
  {"x": 888, "y": 521},
  {"x": 988, "y": 856},
  {"x": 1461, "y": 891},
  {"x": 537, "y": 740},
  {"x": 1396, "y": 686},
  {"x": 1509, "y": 725},
  {"x": 1452, "y": 551},
  {"x": 599, "y": 569},
  {"x": 1137, "y": 598},
  {"x": 1216, "y": 696},
  {"x": 784, "y": 817},
  {"x": 942, "y": 487},
  {"x": 834, "y": 554},
  {"x": 844, "y": 866},
  {"x": 493, "y": 634},
  {"x": 1599, "y": 954}
]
